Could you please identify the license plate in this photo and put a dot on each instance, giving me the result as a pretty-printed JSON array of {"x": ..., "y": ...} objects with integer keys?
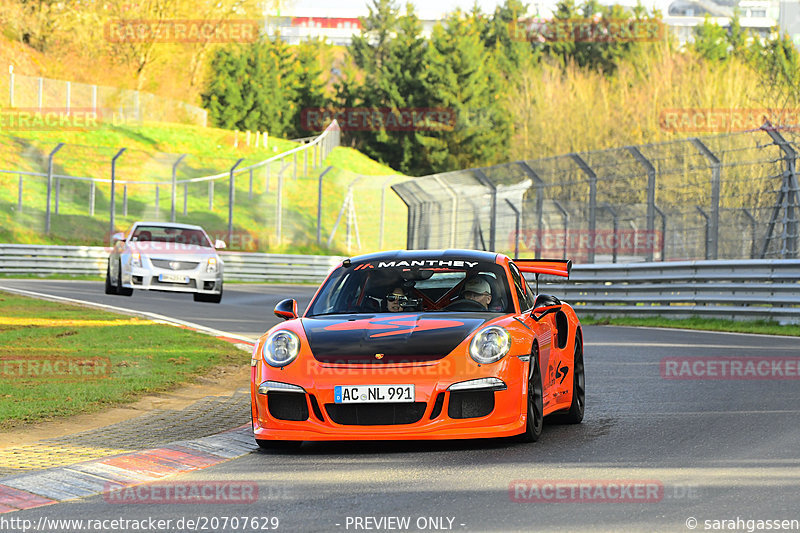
[
  {"x": 173, "y": 278},
  {"x": 373, "y": 393}
]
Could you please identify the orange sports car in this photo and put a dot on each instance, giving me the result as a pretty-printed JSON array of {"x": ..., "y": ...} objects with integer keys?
[{"x": 428, "y": 344}]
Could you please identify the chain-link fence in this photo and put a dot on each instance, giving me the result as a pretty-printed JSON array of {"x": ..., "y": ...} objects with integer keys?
[
  {"x": 729, "y": 196},
  {"x": 254, "y": 205},
  {"x": 110, "y": 104}
]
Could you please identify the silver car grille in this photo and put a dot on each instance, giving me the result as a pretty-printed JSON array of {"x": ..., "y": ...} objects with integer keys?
[{"x": 174, "y": 265}]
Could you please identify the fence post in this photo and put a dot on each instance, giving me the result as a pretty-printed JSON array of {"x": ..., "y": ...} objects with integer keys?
[
  {"x": 493, "y": 213},
  {"x": 663, "y": 232},
  {"x": 787, "y": 198},
  {"x": 174, "y": 191},
  {"x": 50, "y": 183},
  {"x": 713, "y": 243},
  {"x": 58, "y": 194},
  {"x": 565, "y": 214},
  {"x": 319, "y": 204},
  {"x": 111, "y": 196},
  {"x": 210, "y": 195},
  {"x": 185, "y": 196},
  {"x": 539, "y": 183},
  {"x": 613, "y": 212},
  {"x": 231, "y": 194},
  {"x": 279, "y": 206},
  {"x": 707, "y": 233},
  {"x": 19, "y": 199},
  {"x": 305, "y": 161},
  {"x": 592, "y": 202},
  {"x": 92, "y": 189},
  {"x": 516, "y": 228},
  {"x": 125, "y": 200},
  {"x": 752, "y": 232},
  {"x": 295, "y": 166},
  {"x": 11, "y": 87},
  {"x": 651, "y": 193}
]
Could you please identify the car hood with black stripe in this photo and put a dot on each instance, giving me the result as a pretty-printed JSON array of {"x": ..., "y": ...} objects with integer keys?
[{"x": 389, "y": 338}]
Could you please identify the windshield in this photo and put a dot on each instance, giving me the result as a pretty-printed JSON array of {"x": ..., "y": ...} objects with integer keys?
[
  {"x": 170, "y": 235},
  {"x": 385, "y": 287}
]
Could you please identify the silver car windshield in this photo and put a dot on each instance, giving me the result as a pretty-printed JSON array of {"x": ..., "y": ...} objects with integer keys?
[{"x": 170, "y": 235}]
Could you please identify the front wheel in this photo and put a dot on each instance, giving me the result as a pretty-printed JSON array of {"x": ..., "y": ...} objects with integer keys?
[
  {"x": 210, "y": 298},
  {"x": 122, "y": 291},
  {"x": 535, "y": 402},
  {"x": 110, "y": 289}
]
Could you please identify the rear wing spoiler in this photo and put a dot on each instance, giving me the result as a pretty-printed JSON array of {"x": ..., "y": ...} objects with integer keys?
[{"x": 551, "y": 267}]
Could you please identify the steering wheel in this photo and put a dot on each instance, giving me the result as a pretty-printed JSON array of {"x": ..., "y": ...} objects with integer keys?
[{"x": 465, "y": 304}]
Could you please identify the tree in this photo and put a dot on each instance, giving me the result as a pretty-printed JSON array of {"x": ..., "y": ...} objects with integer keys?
[
  {"x": 464, "y": 79},
  {"x": 310, "y": 83},
  {"x": 711, "y": 41}
]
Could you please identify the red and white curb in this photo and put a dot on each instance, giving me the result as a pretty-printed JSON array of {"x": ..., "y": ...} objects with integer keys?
[{"x": 102, "y": 476}]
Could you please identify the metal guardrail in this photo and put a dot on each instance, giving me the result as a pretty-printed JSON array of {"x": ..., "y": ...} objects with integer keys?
[
  {"x": 91, "y": 260},
  {"x": 745, "y": 289},
  {"x": 738, "y": 290}
]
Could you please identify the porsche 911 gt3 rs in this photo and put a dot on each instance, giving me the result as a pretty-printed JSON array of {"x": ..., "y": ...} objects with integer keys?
[{"x": 420, "y": 345}]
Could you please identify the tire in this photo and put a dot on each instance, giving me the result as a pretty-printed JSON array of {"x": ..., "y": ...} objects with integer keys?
[
  {"x": 578, "y": 405},
  {"x": 122, "y": 291},
  {"x": 279, "y": 445},
  {"x": 210, "y": 298},
  {"x": 534, "y": 400},
  {"x": 110, "y": 289}
]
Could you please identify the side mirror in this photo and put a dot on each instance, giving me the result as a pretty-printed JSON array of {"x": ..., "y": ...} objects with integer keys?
[
  {"x": 118, "y": 237},
  {"x": 220, "y": 244},
  {"x": 545, "y": 304},
  {"x": 286, "y": 309}
]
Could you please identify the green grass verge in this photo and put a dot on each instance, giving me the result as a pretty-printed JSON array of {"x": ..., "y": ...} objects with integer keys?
[
  {"x": 708, "y": 324},
  {"x": 150, "y": 154},
  {"x": 58, "y": 360}
]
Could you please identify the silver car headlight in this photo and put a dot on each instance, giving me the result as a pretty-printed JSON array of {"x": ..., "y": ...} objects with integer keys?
[
  {"x": 212, "y": 264},
  {"x": 281, "y": 348},
  {"x": 489, "y": 345},
  {"x": 136, "y": 259}
]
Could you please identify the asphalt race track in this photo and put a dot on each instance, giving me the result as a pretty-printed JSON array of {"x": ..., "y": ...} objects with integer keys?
[{"x": 653, "y": 454}]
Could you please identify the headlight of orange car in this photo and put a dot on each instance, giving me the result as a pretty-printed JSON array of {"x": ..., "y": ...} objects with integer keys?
[
  {"x": 281, "y": 348},
  {"x": 489, "y": 345}
]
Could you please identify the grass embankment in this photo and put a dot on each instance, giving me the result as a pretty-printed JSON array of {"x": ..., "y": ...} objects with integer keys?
[
  {"x": 151, "y": 152},
  {"x": 58, "y": 360},
  {"x": 706, "y": 324}
]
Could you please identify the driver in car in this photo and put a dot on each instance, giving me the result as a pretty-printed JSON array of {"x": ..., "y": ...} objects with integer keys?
[
  {"x": 478, "y": 289},
  {"x": 395, "y": 300}
]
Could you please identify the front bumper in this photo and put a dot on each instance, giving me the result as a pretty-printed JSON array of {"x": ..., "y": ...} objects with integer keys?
[
  {"x": 437, "y": 413},
  {"x": 147, "y": 278}
]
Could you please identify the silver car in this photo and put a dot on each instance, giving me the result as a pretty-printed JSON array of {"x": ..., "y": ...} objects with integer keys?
[{"x": 162, "y": 256}]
